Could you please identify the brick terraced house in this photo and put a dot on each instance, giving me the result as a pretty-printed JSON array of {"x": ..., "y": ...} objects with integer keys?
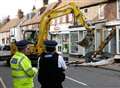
[{"x": 102, "y": 14}]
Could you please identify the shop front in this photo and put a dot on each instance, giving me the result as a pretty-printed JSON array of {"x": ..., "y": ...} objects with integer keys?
[
  {"x": 100, "y": 39},
  {"x": 114, "y": 44},
  {"x": 76, "y": 35},
  {"x": 118, "y": 39},
  {"x": 62, "y": 39},
  {"x": 67, "y": 40}
]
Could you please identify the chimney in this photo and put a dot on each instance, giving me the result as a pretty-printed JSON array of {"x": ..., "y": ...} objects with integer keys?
[
  {"x": 45, "y": 3},
  {"x": 7, "y": 19},
  {"x": 20, "y": 14},
  {"x": 34, "y": 9},
  {"x": 59, "y": 0},
  {"x": 42, "y": 9}
]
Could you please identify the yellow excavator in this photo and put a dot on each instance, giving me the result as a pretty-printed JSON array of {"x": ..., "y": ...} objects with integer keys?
[{"x": 51, "y": 12}]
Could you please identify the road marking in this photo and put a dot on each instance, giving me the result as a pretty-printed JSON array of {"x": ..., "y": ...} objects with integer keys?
[
  {"x": 3, "y": 84},
  {"x": 76, "y": 81}
]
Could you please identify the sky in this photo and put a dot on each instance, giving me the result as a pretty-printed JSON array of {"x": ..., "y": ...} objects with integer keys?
[{"x": 10, "y": 7}]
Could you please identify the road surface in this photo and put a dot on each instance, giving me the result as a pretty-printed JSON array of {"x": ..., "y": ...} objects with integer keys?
[{"x": 76, "y": 77}]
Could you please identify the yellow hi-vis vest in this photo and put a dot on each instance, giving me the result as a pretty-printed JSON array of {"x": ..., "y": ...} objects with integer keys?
[{"x": 22, "y": 71}]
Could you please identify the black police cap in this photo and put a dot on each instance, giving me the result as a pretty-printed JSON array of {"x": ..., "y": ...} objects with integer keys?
[
  {"x": 50, "y": 43},
  {"x": 22, "y": 43}
]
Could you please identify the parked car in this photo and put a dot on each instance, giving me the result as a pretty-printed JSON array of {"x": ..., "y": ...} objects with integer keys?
[
  {"x": 6, "y": 47},
  {"x": 5, "y": 52}
]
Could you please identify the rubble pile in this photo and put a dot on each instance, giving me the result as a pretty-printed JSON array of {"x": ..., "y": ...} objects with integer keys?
[{"x": 102, "y": 59}]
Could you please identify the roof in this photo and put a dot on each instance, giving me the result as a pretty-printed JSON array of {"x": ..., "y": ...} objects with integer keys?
[
  {"x": 37, "y": 17},
  {"x": 31, "y": 21},
  {"x": 80, "y": 3},
  {"x": 28, "y": 21},
  {"x": 87, "y": 3},
  {"x": 12, "y": 23}
]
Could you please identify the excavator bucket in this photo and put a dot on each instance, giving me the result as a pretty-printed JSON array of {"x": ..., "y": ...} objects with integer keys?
[{"x": 88, "y": 40}]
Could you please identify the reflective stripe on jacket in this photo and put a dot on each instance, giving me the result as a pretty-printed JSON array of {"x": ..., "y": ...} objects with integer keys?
[{"x": 22, "y": 71}]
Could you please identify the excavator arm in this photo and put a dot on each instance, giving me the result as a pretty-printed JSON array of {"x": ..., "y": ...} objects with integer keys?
[
  {"x": 58, "y": 10},
  {"x": 104, "y": 43}
]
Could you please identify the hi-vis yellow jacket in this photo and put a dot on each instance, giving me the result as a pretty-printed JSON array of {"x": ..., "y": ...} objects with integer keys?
[{"x": 22, "y": 71}]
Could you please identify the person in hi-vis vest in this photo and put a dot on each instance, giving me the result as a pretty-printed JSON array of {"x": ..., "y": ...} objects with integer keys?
[{"x": 22, "y": 70}]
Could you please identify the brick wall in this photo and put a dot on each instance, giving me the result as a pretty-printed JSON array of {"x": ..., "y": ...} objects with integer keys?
[{"x": 111, "y": 11}]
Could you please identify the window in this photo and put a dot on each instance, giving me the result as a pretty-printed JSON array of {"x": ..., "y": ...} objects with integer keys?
[
  {"x": 86, "y": 10},
  {"x": 73, "y": 40},
  {"x": 67, "y": 18},
  {"x": 59, "y": 48},
  {"x": 64, "y": 19},
  {"x": 119, "y": 40},
  {"x": 119, "y": 8},
  {"x": 101, "y": 12},
  {"x": 3, "y": 41},
  {"x": 70, "y": 17},
  {"x": 55, "y": 22},
  {"x": 7, "y": 40},
  {"x": 60, "y": 20},
  {"x": 65, "y": 43}
]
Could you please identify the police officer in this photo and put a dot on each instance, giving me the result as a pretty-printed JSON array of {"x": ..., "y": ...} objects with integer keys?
[
  {"x": 51, "y": 67},
  {"x": 22, "y": 70}
]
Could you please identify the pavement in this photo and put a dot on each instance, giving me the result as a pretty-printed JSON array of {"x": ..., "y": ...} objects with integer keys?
[{"x": 114, "y": 66}]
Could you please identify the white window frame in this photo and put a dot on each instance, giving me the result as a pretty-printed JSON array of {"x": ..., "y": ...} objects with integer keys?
[
  {"x": 118, "y": 9},
  {"x": 70, "y": 17},
  {"x": 101, "y": 12}
]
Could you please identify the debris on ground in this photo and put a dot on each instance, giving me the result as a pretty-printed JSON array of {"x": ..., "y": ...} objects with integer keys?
[
  {"x": 99, "y": 57},
  {"x": 99, "y": 63},
  {"x": 117, "y": 58},
  {"x": 102, "y": 59}
]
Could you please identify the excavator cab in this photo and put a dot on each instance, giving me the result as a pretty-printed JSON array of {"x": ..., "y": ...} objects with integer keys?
[{"x": 31, "y": 36}]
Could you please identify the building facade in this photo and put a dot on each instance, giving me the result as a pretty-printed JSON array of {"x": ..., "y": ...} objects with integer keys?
[
  {"x": 5, "y": 36},
  {"x": 99, "y": 14},
  {"x": 63, "y": 29}
]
